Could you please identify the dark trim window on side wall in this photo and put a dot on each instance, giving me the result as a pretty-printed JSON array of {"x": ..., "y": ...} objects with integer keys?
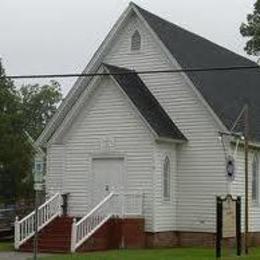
[
  {"x": 255, "y": 179},
  {"x": 166, "y": 179},
  {"x": 136, "y": 41}
]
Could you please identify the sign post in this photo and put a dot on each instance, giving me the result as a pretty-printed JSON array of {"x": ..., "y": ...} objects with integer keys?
[
  {"x": 38, "y": 186},
  {"x": 228, "y": 222}
]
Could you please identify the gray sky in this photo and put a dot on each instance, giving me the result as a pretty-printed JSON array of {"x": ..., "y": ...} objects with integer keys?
[{"x": 60, "y": 36}]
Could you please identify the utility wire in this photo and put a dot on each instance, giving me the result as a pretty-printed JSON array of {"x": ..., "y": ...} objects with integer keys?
[{"x": 131, "y": 72}]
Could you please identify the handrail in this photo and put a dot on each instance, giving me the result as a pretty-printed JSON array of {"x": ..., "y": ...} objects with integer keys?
[
  {"x": 132, "y": 203},
  {"x": 88, "y": 225},
  {"x": 115, "y": 204},
  {"x": 25, "y": 228},
  {"x": 40, "y": 207},
  {"x": 96, "y": 208}
]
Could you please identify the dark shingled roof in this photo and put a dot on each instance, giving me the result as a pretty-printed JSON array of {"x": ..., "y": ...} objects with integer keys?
[
  {"x": 146, "y": 103},
  {"x": 225, "y": 91}
]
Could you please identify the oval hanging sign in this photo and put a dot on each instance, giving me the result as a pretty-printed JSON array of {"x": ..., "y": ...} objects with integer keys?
[{"x": 230, "y": 167}]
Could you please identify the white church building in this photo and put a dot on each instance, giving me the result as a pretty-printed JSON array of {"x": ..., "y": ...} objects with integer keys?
[{"x": 145, "y": 147}]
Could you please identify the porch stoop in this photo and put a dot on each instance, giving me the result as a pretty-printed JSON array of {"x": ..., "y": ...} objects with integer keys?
[
  {"x": 106, "y": 226},
  {"x": 117, "y": 233},
  {"x": 114, "y": 234},
  {"x": 55, "y": 237}
]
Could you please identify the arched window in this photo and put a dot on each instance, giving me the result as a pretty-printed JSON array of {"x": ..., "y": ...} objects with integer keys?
[
  {"x": 166, "y": 179},
  {"x": 255, "y": 179},
  {"x": 136, "y": 41}
]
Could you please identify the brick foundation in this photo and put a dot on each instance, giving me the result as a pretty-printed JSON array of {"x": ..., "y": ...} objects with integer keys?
[
  {"x": 196, "y": 239},
  {"x": 254, "y": 239},
  {"x": 179, "y": 239},
  {"x": 133, "y": 235},
  {"x": 190, "y": 239},
  {"x": 115, "y": 234},
  {"x": 124, "y": 233},
  {"x": 162, "y": 239}
]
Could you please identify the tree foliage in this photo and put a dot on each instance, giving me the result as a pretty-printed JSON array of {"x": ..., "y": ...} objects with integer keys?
[
  {"x": 39, "y": 105},
  {"x": 251, "y": 29},
  {"x": 22, "y": 111},
  {"x": 15, "y": 151}
]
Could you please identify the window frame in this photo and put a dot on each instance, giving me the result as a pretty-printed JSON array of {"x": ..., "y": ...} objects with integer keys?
[
  {"x": 166, "y": 179},
  {"x": 136, "y": 36}
]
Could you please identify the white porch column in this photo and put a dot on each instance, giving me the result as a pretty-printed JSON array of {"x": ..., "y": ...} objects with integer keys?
[{"x": 73, "y": 236}]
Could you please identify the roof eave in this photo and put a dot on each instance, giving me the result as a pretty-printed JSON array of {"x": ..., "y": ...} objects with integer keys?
[
  {"x": 252, "y": 144},
  {"x": 161, "y": 139}
]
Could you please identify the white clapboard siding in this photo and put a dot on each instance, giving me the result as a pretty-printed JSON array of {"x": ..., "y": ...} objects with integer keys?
[
  {"x": 200, "y": 162},
  {"x": 238, "y": 188},
  {"x": 108, "y": 114},
  {"x": 200, "y": 174},
  {"x": 55, "y": 168}
]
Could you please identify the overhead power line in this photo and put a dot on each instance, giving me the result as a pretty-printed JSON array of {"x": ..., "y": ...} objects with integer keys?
[{"x": 130, "y": 72}]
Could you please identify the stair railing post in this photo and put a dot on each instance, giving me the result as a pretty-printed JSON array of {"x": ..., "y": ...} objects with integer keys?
[
  {"x": 60, "y": 201},
  {"x": 73, "y": 236},
  {"x": 16, "y": 233},
  {"x": 36, "y": 225}
]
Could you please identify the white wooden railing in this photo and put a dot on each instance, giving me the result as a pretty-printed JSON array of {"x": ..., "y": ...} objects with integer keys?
[
  {"x": 115, "y": 204},
  {"x": 25, "y": 228},
  {"x": 132, "y": 204}
]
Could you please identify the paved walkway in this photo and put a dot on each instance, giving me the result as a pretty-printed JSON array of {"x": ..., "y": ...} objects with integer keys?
[{"x": 16, "y": 255}]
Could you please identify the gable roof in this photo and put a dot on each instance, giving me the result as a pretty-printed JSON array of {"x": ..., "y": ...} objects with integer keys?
[
  {"x": 225, "y": 91},
  {"x": 145, "y": 102}
]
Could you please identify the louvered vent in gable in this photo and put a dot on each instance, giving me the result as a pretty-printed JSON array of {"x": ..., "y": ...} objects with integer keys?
[{"x": 136, "y": 41}]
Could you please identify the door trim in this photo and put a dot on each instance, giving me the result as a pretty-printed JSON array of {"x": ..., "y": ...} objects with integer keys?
[
  {"x": 104, "y": 156},
  {"x": 107, "y": 155}
]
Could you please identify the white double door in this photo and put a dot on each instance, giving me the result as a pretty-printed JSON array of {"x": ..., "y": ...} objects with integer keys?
[{"x": 107, "y": 176}]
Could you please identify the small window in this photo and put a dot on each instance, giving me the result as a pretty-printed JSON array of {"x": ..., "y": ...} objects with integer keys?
[
  {"x": 166, "y": 179},
  {"x": 136, "y": 41},
  {"x": 38, "y": 167},
  {"x": 255, "y": 179}
]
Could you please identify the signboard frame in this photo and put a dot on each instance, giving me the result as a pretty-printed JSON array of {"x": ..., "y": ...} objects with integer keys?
[{"x": 219, "y": 223}]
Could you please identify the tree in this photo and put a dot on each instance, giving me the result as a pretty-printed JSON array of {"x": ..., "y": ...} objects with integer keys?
[
  {"x": 22, "y": 112},
  {"x": 39, "y": 104},
  {"x": 251, "y": 29},
  {"x": 15, "y": 151}
]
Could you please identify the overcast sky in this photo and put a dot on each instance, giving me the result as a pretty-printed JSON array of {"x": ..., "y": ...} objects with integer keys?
[{"x": 60, "y": 36}]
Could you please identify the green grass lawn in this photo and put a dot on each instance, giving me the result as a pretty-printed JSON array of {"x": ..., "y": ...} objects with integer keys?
[
  {"x": 162, "y": 254},
  {"x": 6, "y": 246}
]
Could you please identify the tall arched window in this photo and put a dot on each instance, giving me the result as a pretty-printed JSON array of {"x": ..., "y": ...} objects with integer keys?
[
  {"x": 166, "y": 179},
  {"x": 136, "y": 41},
  {"x": 255, "y": 179}
]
